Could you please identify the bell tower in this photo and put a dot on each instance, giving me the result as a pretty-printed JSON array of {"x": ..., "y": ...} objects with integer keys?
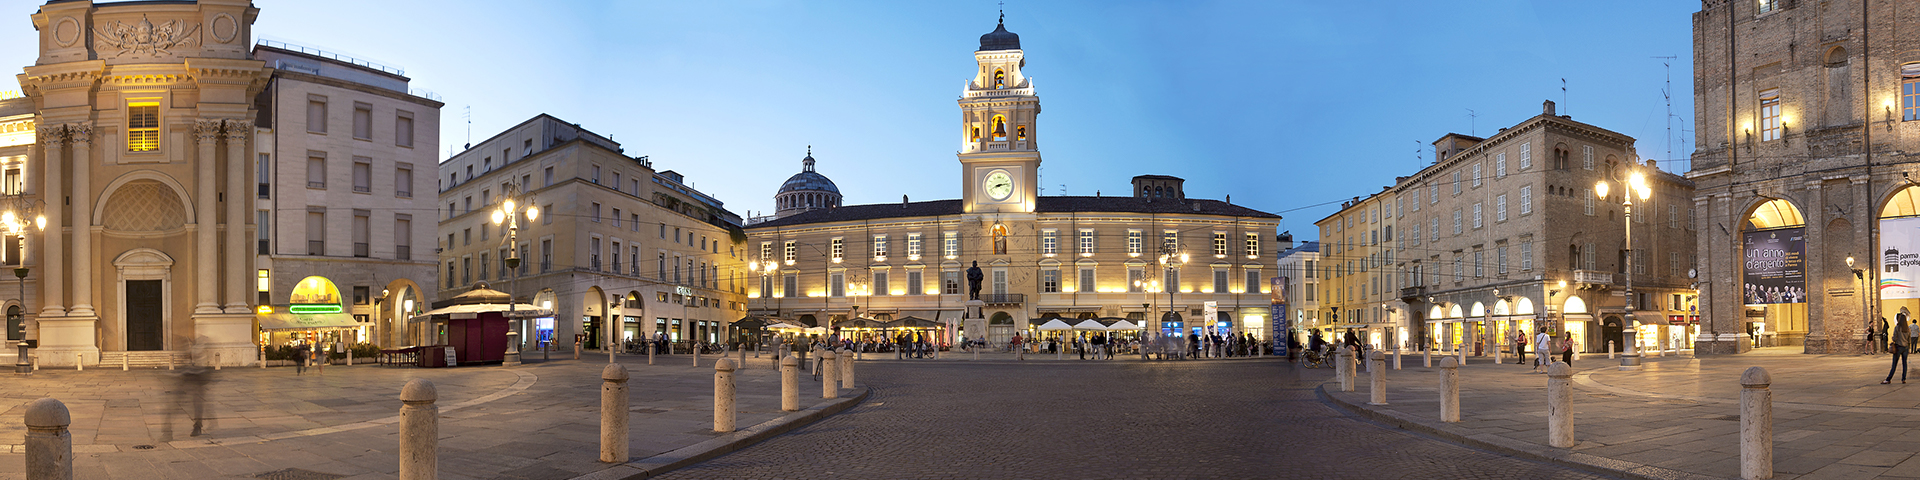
[{"x": 999, "y": 150}]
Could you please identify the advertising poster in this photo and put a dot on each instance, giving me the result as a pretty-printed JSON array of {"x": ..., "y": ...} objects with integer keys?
[
  {"x": 1775, "y": 266},
  {"x": 1900, "y": 263},
  {"x": 1277, "y": 314}
]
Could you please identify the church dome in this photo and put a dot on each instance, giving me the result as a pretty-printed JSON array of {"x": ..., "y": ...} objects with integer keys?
[
  {"x": 1000, "y": 38},
  {"x": 808, "y": 180}
]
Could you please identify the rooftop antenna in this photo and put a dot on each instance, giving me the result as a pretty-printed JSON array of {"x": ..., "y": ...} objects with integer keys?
[
  {"x": 469, "y": 117},
  {"x": 1563, "y": 96},
  {"x": 1667, "y": 93},
  {"x": 1419, "y": 154},
  {"x": 1473, "y": 125}
]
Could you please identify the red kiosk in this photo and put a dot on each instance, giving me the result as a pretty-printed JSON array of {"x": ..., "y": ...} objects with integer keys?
[{"x": 474, "y": 326}]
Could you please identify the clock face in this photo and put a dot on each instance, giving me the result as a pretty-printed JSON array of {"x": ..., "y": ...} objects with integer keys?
[{"x": 999, "y": 185}]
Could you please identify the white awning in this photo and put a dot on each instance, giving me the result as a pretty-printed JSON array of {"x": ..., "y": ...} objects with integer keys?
[
  {"x": 1055, "y": 324},
  {"x": 518, "y": 310},
  {"x": 1089, "y": 324},
  {"x": 1122, "y": 326}
]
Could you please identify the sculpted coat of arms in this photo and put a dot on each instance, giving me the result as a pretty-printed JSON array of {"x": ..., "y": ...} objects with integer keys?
[{"x": 145, "y": 37}]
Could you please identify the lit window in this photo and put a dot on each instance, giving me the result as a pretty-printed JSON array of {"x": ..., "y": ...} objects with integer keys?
[
  {"x": 1770, "y": 115},
  {"x": 143, "y": 126}
]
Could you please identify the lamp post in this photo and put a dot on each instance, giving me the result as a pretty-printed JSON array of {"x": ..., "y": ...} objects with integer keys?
[
  {"x": 15, "y": 225},
  {"x": 1861, "y": 274},
  {"x": 1635, "y": 184},
  {"x": 1167, "y": 256},
  {"x": 766, "y": 269},
  {"x": 509, "y": 214}
]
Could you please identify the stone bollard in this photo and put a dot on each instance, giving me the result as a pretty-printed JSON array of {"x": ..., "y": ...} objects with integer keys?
[
  {"x": 846, "y": 371},
  {"x": 723, "y": 416},
  {"x": 789, "y": 384},
  {"x": 1463, "y": 355},
  {"x": 1396, "y": 359},
  {"x": 696, "y": 356},
  {"x": 1560, "y": 405},
  {"x": 649, "y": 353},
  {"x": 1449, "y": 389},
  {"x": 1378, "y": 387},
  {"x": 1427, "y": 358},
  {"x": 613, "y": 414},
  {"x": 1342, "y": 366},
  {"x": 828, "y": 372},
  {"x": 419, "y": 431},
  {"x": 743, "y": 358},
  {"x": 1610, "y": 353},
  {"x": 1756, "y": 424},
  {"x": 49, "y": 445},
  {"x": 123, "y": 363}
]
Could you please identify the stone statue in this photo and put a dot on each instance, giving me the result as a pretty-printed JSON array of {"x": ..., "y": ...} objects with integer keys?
[{"x": 973, "y": 280}]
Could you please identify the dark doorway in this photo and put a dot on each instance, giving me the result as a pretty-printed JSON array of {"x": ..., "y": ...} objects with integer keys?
[
  {"x": 592, "y": 332},
  {"x": 143, "y": 315},
  {"x": 1610, "y": 330}
]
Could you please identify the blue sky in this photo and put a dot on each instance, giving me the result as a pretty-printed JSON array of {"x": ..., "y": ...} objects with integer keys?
[{"x": 1287, "y": 106}]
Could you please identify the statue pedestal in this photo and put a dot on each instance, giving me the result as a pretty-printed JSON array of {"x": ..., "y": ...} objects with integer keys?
[{"x": 974, "y": 309}]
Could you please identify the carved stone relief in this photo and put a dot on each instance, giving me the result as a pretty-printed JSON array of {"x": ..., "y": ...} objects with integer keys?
[{"x": 145, "y": 37}]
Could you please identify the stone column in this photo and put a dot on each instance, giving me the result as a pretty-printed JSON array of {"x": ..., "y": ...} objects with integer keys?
[
  {"x": 419, "y": 431},
  {"x": 613, "y": 414},
  {"x": 1449, "y": 389},
  {"x": 1560, "y": 405},
  {"x": 53, "y": 265},
  {"x": 49, "y": 445},
  {"x": 206, "y": 257},
  {"x": 1756, "y": 424},
  {"x": 789, "y": 384},
  {"x": 829, "y": 389},
  {"x": 82, "y": 136},
  {"x": 238, "y": 202},
  {"x": 723, "y": 413}
]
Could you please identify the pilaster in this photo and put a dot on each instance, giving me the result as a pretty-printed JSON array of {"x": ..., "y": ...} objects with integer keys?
[
  {"x": 53, "y": 265},
  {"x": 237, "y": 133},
  {"x": 82, "y": 136},
  {"x": 206, "y": 259}
]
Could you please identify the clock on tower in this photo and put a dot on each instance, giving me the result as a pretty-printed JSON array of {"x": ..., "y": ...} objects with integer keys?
[{"x": 999, "y": 154}]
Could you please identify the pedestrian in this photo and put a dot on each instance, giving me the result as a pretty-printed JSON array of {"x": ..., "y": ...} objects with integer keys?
[
  {"x": 1519, "y": 347},
  {"x": 1901, "y": 342},
  {"x": 299, "y": 360},
  {"x": 1540, "y": 353},
  {"x": 1566, "y": 348}
]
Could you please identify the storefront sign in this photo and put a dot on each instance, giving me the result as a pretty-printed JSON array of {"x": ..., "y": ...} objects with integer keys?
[
  {"x": 1683, "y": 319},
  {"x": 1775, "y": 266},
  {"x": 1277, "y": 313},
  {"x": 451, "y": 358},
  {"x": 1900, "y": 263}
]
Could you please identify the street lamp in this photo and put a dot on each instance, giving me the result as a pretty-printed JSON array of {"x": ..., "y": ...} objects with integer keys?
[
  {"x": 16, "y": 226},
  {"x": 1636, "y": 184},
  {"x": 1861, "y": 274},
  {"x": 766, "y": 270},
  {"x": 509, "y": 214}
]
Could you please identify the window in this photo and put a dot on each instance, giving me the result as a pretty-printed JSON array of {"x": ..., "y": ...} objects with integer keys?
[
  {"x": 1456, "y": 221},
  {"x": 1476, "y": 175},
  {"x": 1500, "y": 166},
  {"x": 317, "y": 231},
  {"x": 1050, "y": 280},
  {"x": 546, "y": 219},
  {"x": 1253, "y": 244},
  {"x": 633, "y": 222},
  {"x": 1173, "y": 281},
  {"x": 1416, "y": 234},
  {"x": 1500, "y": 260},
  {"x": 1673, "y": 216},
  {"x": 1476, "y": 215},
  {"x": 1433, "y": 193},
  {"x": 1768, "y": 6},
  {"x": 839, "y": 249},
  {"x": 1910, "y": 92},
  {"x": 1587, "y": 193},
  {"x": 361, "y": 246},
  {"x": 1170, "y": 241},
  {"x": 616, "y": 181},
  {"x": 1673, "y": 264},
  {"x": 1253, "y": 281},
  {"x": 316, "y": 170},
  {"x": 1588, "y": 253},
  {"x": 1086, "y": 242},
  {"x": 882, "y": 284},
  {"x": 485, "y": 266},
  {"x": 1219, "y": 280},
  {"x": 1435, "y": 226},
  {"x": 838, "y": 282},
  {"x": 594, "y": 212},
  {"x": 790, "y": 284},
  {"x": 1049, "y": 242},
  {"x": 950, "y": 244},
  {"x": 1526, "y": 155},
  {"x": 880, "y": 248},
  {"x": 402, "y": 236},
  {"x": 264, "y": 177},
  {"x": 316, "y": 114},
  {"x": 1134, "y": 241},
  {"x": 913, "y": 248},
  {"x": 1526, "y": 255},
  {"x": 450, "y": 272},
  {"x": 362, "y": 175},
  {"x": 614, "y": 266},
  {"x": 403, "y": 181},
  {"x": 1456, "y": 182},
  {"x": 549, "y": 177},
  {"x": 1459, "y": 267},
  {"x": 263, "y": 222},
  {"x": 595, "y": 174},
  {"x": 403, "y": 129},
  {"x": 1526, "y": 199},
  {"x": 1770, "y": 115},
  {"x": 362, "y": 121},
  {"x": 916, "y": 286},
  {"x": 1219, "y": 244},
  {"x": 616, "y": 218},
  {"x": 950, "y": 283},
  {"x": 1086, "y": 283},
  {"x": 466, "y": 270},
  {"x": 1586, "y": 156},
  {"x": 546, "y": 256},
  {"x": 593, "y": 253},
  {"x": 1500, "y": 208},
  {"x": 791, "y": 250},
  {"x": 1309, "y": 269}
]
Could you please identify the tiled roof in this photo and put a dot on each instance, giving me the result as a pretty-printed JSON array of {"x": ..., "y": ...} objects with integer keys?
[{"x": 1047, "y": 205}]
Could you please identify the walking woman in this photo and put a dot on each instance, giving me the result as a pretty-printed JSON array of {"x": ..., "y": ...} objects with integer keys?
[
  {"x": 1566, "y": 348},
  {"x": 1900, "y": 344}
]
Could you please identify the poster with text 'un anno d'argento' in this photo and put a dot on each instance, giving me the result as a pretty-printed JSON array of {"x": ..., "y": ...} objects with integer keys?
[
  {"x": 1900, "y": 263},
  {"x": 1775, "y": 266}
]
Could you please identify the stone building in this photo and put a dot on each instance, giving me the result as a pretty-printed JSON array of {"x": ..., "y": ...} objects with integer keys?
[
  {"x": 1298, "y": 269},
  {"x": 614, "y": 239},
  {"x": 144, "y": 112},
  {"x": 1507, "y": 233},
  {"x": 1157, "y": 257},
  {"x": 1788, "y": 96},
  {"x": 338, "y": 145}
]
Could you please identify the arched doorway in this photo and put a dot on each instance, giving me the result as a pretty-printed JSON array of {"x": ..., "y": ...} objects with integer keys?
[
  {"x": 1897, "y": 263},
  {"x": 543, "y": 327},
  {"x": 1773, "y": 274},
  {"x": 1000, "y": 328},
  {"x": 593, "y": 316}
]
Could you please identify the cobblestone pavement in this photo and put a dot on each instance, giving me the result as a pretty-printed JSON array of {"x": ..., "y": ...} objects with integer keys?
[
  {"x": 1122, "y": 419},
  {"x": 1831, "y": 416}
]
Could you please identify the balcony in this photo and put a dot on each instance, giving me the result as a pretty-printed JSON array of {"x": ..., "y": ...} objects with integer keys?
[
  {"x": 1004, "y": 298},
  {"x": 1413, "y": 293},
  {"x": 1592, "y": 277}
]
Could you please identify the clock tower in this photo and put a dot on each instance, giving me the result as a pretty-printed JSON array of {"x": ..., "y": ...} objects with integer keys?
[{"x": 999, "y": 156}]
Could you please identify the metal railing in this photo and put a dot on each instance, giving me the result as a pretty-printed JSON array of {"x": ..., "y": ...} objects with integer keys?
[
  {"x": 332, "y": 56},
  {"x": 1004, "y": 298}
]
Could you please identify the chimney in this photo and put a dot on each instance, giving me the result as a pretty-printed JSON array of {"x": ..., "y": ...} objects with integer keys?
[
  {"x": 1650, "y": 165},
  {"x": 1546, "y": 108}
]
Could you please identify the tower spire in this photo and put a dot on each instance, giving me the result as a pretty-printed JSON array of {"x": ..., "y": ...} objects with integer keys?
[{"x": 806, "y": 164}]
